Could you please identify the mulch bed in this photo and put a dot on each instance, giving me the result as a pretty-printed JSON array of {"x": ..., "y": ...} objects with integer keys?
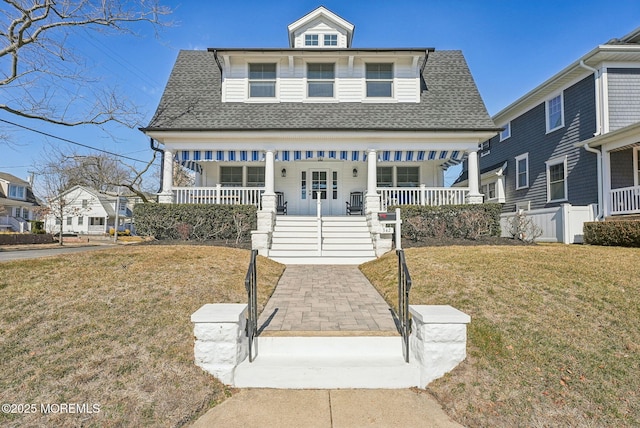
[{"x": 445, "y": 242}]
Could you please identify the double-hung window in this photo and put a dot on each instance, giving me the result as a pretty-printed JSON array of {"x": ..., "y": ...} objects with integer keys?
[
  {"x": 16, "y": 192},
  {"x": 506, "y": 132},
  {"x": 231, "y": 176},
  {"x": 379, "y": 79},
  {"x": 554, "y": 111},
  {"x": 262, "y": 80},
  {"x": 320, "y": 80},
  {"x": 408, "y": 176},
  {"x": 522, "y": 171},
  {"x": 557, "y": 179},
  {"x": 255, "y": 176},
  {"x": 384, "y": 176}
]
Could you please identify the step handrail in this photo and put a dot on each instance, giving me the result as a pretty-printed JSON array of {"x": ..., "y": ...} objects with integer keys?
[
  {"x": 251, "y": 285},
  {"x": 319, "y": 220},
  {"x": 404, "y": 287}
]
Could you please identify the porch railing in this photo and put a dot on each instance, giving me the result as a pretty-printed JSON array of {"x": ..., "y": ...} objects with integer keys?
[
  {"x": 625, "y": 200},
  {"x": 422, "y": 196},
  {"x": 218, "y": 195}
]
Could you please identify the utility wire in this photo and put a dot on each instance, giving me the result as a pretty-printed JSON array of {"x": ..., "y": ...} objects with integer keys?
[{"x": 73, "y": 142}]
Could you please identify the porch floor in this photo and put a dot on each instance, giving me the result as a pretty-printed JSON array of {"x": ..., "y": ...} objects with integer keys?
[{"x": 325, "y": 300}]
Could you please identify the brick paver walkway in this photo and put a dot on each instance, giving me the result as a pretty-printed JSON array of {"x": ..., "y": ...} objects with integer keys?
[{"x": 321, "y": 298}]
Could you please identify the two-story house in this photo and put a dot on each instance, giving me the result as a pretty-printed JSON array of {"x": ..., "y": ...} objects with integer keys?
[
  {"x": 319, "y": 121},
  {"x": 568, "y": 151},
  {"x": 18, "y": 204}
]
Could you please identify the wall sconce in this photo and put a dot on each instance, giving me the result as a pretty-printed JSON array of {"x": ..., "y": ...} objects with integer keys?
[
  {"x": 355, "y": 172},
  {"x": 283, "y": 173}
]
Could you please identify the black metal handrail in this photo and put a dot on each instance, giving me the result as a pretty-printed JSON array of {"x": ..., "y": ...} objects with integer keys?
[
  {"x": 251, "y": 285},
  {"x": 404, "y": 286}
]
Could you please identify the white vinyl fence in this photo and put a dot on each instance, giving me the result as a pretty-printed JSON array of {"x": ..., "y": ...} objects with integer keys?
[{"x": 559, "y": 224}]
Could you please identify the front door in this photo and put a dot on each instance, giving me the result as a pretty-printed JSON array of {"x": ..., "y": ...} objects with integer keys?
[{"x": 324, "y": 185}]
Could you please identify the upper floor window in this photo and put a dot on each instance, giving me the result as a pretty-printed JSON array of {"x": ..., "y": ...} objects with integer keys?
[
  {"x": 506, "y": 132},
  {"x": 557, "y": 180},
  {"x": 522, "y": 171},
  {"x": 320, "y": 79},
  {"x": 554, "y": 110},
  {"x": 311, "y": 40},
  {"x": 262, "y": 80},
  {"x": 379, "y": 80},
  {"x": 17, "y": 192},
  {"x": 331, "y": 40}
]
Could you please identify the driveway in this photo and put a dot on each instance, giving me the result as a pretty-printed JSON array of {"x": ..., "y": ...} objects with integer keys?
[{"x": 8, "y": 255}]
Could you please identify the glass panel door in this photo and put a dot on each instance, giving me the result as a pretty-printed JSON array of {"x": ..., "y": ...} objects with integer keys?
[{"x": 319, "y": 184}]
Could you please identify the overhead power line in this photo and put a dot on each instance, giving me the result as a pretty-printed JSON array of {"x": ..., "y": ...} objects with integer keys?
[{"x": 72, "y": 142}]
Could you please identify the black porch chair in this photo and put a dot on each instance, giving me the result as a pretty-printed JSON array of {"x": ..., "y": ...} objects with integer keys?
[
  {"x": 355, "y": 203},
  {"x": 281, "y": 204}
]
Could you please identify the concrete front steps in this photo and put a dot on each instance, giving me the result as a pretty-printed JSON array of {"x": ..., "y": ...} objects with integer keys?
[
  {"x": 345, "y": 240},
  {"x": 298, "y": 362}
]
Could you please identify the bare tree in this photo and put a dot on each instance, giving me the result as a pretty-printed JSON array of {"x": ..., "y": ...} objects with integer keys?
[
  {"x": 102, "y": 172},
  {"x": 40, "y": 75}
]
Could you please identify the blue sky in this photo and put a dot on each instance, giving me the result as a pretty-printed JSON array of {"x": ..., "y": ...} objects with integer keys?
[{"x": 511, "y": 46}]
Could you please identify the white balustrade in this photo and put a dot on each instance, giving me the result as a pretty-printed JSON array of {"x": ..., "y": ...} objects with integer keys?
[
  {"x": 625, "y": 200},
  {"x": 218, "y": 195},
  {"x": 422, "y": 195}
]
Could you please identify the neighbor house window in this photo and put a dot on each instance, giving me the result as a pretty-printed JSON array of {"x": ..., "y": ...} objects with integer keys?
[
  {"x": 85, "y": 203},
  {"x": 320, "y": 79},
  {"x": 485, "y": 148},
  {"x": 384, "y": 176},
  {"x": 16, "y": 192},
  {"x": 557, "y": 180},
  {"x": 80, "y": 221},
  {"x": 408, "y": 176},
  {"x": 255, "y": 176},
  {"x": 262, "y": 80},
  {"x": 331, "y": 40},
  {"x": 96, "y": 221},
  {"x": 554, "y": 113},
  {"x": 231, "y": 176},
  {"x": 311, "y": 40},
  {"x": 379, "y": 80},
  {"x": 69, "y": 221},
  {"x": 506, "y": 132},
  {"x": 522, "y": 171},
  {"x": 489, "y": 190}
]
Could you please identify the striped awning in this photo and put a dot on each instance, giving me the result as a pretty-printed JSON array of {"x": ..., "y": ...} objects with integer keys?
[{"x": 191, "y": 158}]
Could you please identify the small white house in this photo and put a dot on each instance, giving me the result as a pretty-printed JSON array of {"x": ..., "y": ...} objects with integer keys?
[{"x": 85, "y": 211}]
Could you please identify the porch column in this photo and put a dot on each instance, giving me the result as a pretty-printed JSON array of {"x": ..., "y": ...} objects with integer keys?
[
  {"x": 166, "y": 195},
  {"x": 474, "y": 196},
  {"x": 269, "y": 173},
  {"x": 372, "y": 172}
]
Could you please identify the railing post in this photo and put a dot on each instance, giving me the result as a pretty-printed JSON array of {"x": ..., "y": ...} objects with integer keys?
[
  {"x": 218, "y": 191},
  {"x": 423, "y": 194},
  {"x": 319, "y": 219}
]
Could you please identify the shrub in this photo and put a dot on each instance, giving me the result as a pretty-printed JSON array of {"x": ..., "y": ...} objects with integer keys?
[
  {"x": 613, "y": 233},
  {"x": 523, "y": 228},
  {"x": 196, "y": 222},
  {"x": 450, "y": 221},
  {"x": 37, "y": 227}
]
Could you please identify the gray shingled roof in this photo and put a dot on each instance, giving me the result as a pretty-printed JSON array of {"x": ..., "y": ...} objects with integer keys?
[{"x": 449, "y": 101}]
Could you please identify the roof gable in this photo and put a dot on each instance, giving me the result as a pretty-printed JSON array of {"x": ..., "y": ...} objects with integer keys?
[{"x": 321, "y": 19}]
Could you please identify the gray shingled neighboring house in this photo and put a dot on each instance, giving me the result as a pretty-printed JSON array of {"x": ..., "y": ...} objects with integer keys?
[
  {"x": 568, "y": 152},
  {"x": 319, "y": 121}
]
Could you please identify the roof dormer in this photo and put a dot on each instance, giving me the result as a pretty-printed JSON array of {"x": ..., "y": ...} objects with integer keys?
[{"x": 320, "y": 28}]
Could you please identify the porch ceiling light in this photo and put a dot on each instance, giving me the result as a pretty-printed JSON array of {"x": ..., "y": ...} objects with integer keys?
[
  {"x": 283, "y": 173},
  {"x": 355, "y": 172}
]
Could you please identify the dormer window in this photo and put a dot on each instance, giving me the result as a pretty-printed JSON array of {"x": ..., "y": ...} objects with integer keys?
[
  {"x": 379, "y": 80},
  {"x": 320, "y": 79},
  {"x": 331, "y": 40},
  {"x": 311, "y": 40},
  {"x": 262, "y": 80},
  {"x": 17, "y": 192}
]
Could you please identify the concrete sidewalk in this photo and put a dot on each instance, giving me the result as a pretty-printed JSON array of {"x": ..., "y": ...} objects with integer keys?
[{"x": 327, "y": 408}]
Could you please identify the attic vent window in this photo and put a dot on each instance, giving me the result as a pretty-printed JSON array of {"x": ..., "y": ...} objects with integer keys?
[
  {"x": 311, "y": 40},
  {"x": 262, "y": 80},
  {"x": 331, "y": 40}
]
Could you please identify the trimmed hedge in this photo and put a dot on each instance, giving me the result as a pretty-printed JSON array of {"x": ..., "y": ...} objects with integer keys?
[
  {"x": 450, "y": 221},
  {"x": 25, "y": 238},
  {"x": 196, "y": 222},
  {"x": 613, "y": 233}
]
